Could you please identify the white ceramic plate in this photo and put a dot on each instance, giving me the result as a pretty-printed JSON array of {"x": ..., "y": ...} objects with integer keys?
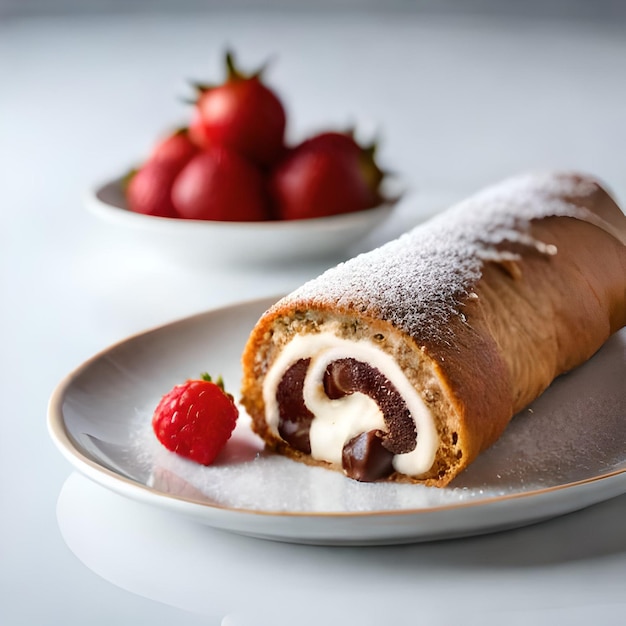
[
  {"x": 202, "y": 242},
  {"x": 566, "y": 452}
]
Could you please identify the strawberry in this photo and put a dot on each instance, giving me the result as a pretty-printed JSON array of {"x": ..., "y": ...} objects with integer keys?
[
  {"x": 196, "y": 419},
  {"x": 197, "y": 132},
  {"x": 345, "y": 142},
  {"x": 176, "y": 148},
  {"x": 242, "y": 114},
  {"x": 323, "y": 176},
  {"x": 148, "y": 190},
  {"x": 219, "y": 184}
]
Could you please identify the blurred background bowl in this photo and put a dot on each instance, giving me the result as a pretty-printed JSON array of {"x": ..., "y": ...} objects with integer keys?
[{"x": 215, "y": 242}]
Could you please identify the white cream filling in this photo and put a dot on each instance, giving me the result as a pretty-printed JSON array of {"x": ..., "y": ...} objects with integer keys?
[{"x": 338, "y": 421}]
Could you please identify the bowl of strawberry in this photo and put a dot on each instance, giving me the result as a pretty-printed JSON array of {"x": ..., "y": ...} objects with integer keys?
[{"x": 227, "y": 186}]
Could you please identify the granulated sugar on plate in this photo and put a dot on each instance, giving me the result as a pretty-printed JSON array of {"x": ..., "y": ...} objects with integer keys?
[{"x": 575, "y": 431}]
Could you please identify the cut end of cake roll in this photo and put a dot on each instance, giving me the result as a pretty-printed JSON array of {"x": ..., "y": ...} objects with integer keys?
[
  {"x": 352, "y": 395},
  {"x": 405, "y": 363}
]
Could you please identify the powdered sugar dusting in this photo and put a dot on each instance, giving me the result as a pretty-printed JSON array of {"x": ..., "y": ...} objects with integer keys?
[{"x": 418, "y": 281}]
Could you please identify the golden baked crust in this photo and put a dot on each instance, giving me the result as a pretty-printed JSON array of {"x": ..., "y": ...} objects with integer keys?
[{"x": 530, "y": 288}]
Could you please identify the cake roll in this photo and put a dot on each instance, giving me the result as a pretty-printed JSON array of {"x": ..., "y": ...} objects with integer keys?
[{"x": 406, "y": 362}]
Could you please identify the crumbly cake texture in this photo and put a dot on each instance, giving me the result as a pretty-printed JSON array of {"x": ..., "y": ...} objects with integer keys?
[{"x": 482, "y": 307}]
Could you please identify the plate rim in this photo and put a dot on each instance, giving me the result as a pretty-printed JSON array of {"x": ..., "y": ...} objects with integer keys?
[{"x": 114, "y": 481}]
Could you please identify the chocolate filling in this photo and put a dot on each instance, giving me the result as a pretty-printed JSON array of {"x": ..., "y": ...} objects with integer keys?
[
  {"x": 346, "y": 376},
  {"x": 294, "y": 418},
  {"x": 367, "y": 456}
]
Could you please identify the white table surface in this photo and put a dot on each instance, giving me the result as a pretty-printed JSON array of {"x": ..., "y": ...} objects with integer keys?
[{"x": 460, "y": 102}]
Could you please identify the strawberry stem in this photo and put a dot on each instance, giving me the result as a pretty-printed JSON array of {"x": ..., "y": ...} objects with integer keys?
[
  {"x": 232, "y": 73},
  {"x": 201, "y": 87},
  {"x": 130, "y": 174}
]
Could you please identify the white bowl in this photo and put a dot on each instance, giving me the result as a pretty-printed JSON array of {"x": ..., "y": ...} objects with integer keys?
[{"x": 200, "y": 241}]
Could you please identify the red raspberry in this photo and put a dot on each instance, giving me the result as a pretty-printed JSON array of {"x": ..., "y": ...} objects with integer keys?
[{"x": 196, "y": 419}]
